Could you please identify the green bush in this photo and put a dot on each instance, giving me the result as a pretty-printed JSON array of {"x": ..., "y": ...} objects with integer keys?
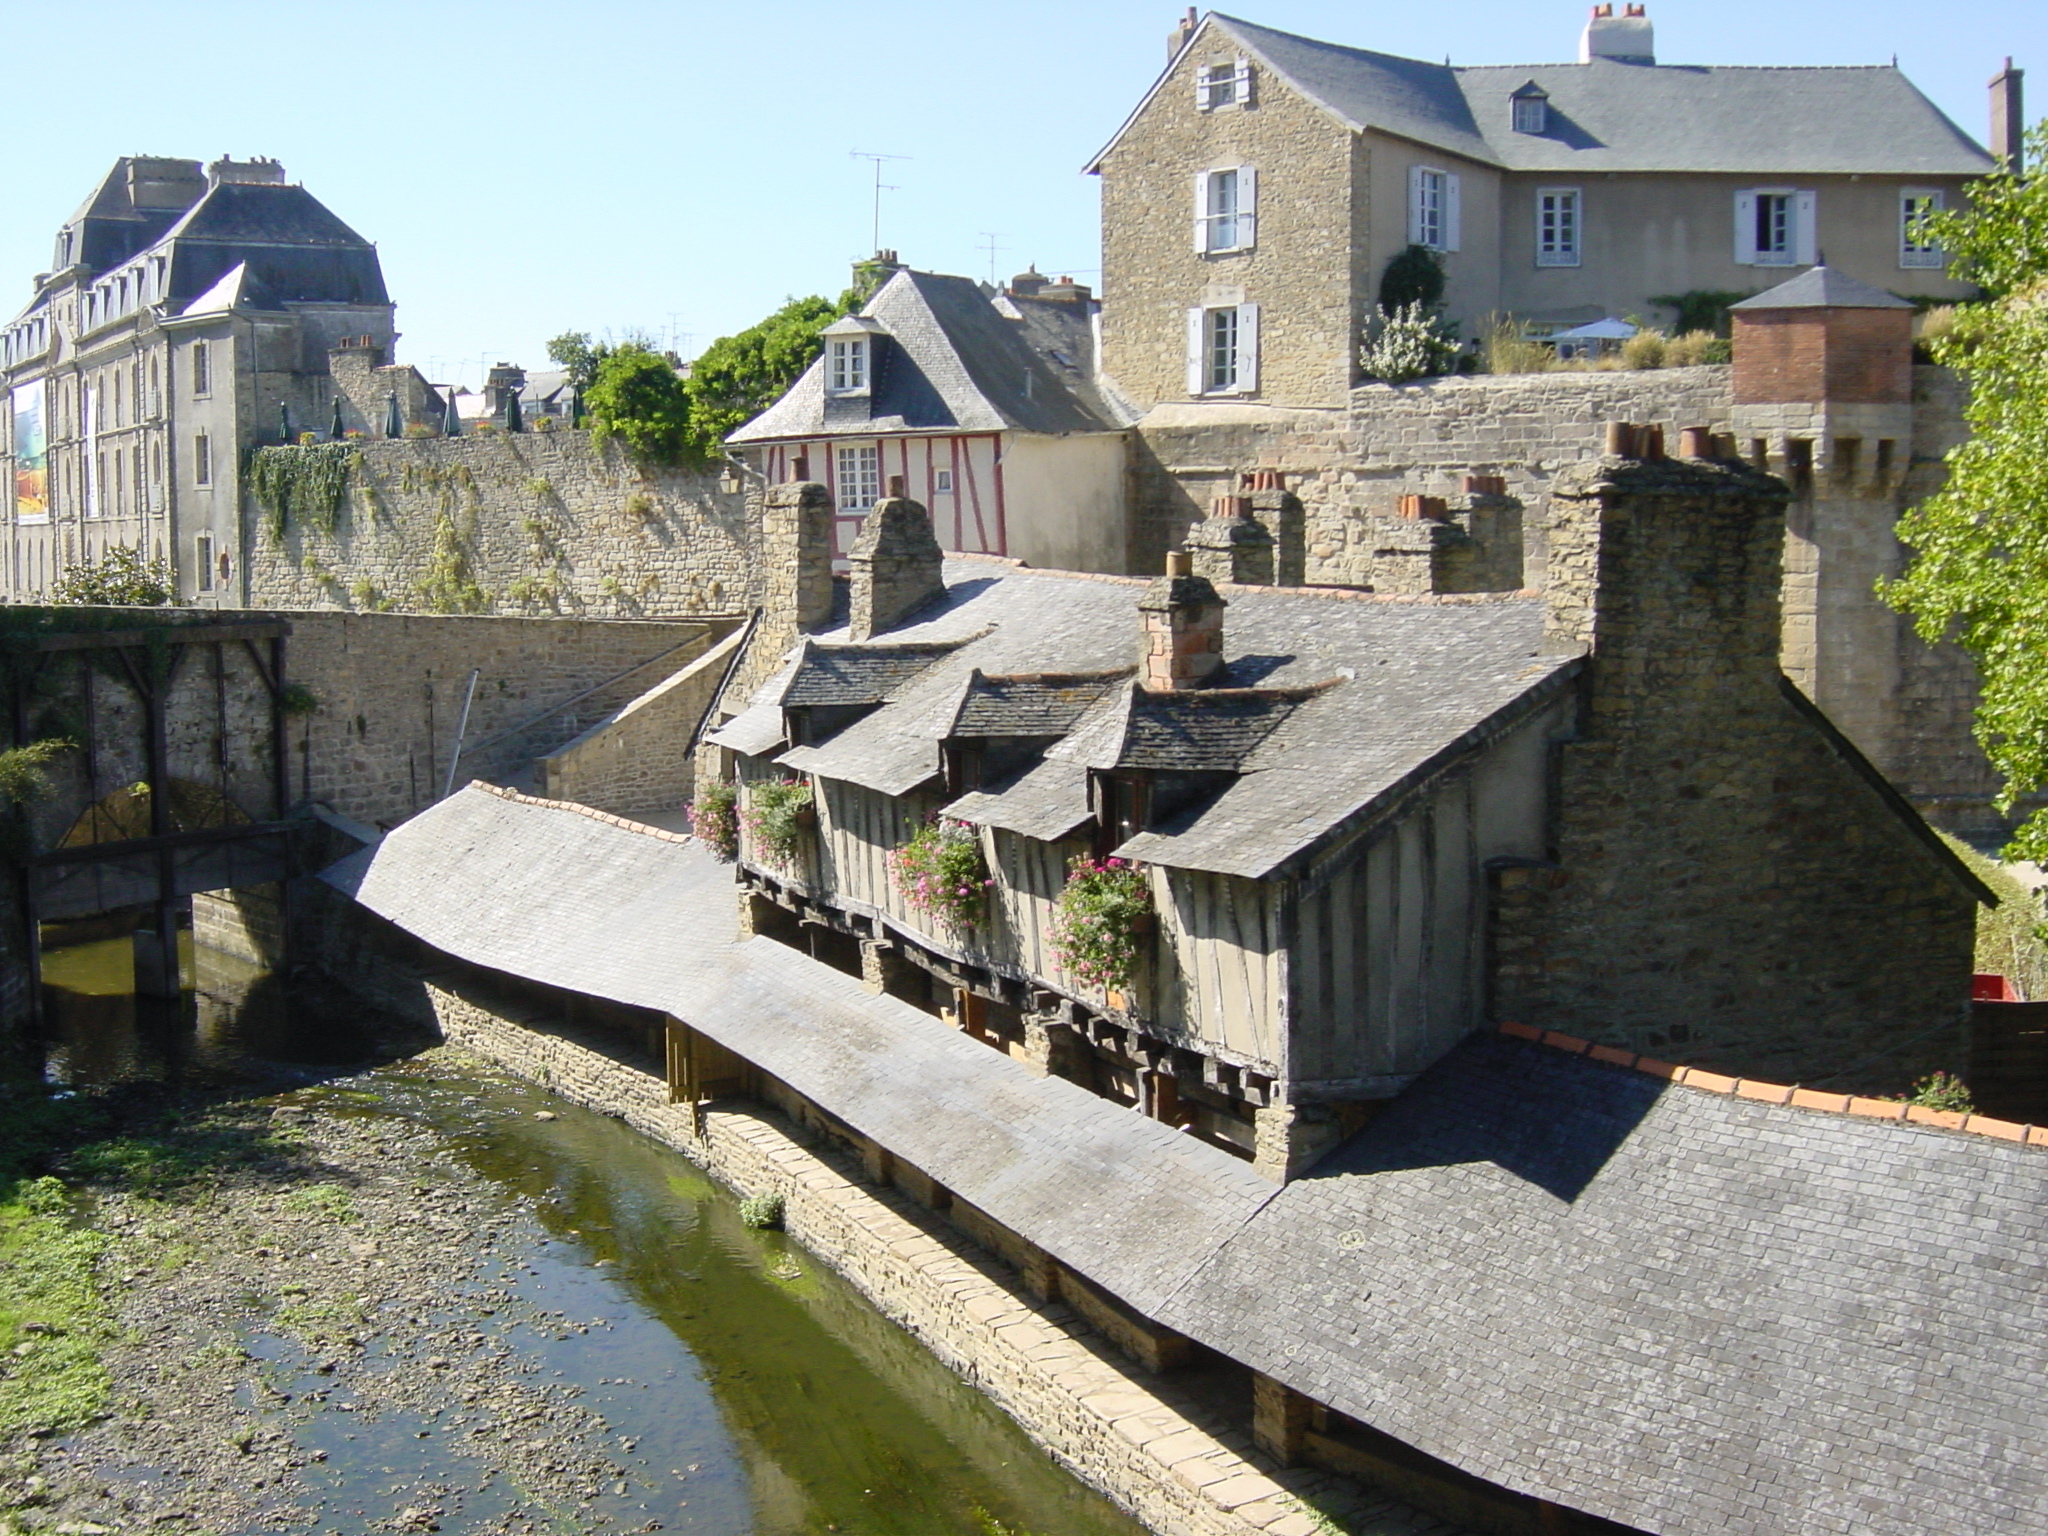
[
  {"x": 1408, "y": 343},
  {"x": 638, "y": 397},
  {"x": 714, "y": 818},
  {"x": 779, "y": 812},
  {"x": 1414, "y": 276},
  {"x": 1099, "y": 920},
  {"x": 943, "y": 873},
  {"x": 120, "y": 578},
  {"x": 762, "y": 1212},
  {"x": 1940, "y": 1090}
]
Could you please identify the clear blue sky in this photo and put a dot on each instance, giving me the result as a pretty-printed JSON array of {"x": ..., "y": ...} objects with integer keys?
[{"x": 683, "y": 167}]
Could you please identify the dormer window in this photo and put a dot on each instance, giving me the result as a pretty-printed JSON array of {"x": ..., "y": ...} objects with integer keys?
[
  {"x": 848, "y": 366},
  {"x": 1530, "y": 109},
  {"x": 1224, "y": 85}
]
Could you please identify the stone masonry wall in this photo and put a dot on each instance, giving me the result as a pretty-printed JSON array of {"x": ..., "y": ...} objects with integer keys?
[
  {"x": 390, "y": 690},
  {"x": 1351, "y": 465},
  {"x": 1129, "y": 1434},
  {"x": 534, "y": 522},
  {"x": 639, "y": 760},
  {"x": 1727, "y": 889}
]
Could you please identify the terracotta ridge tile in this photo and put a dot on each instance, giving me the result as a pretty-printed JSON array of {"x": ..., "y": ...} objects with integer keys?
[{"x": 1791, "y": 1096}]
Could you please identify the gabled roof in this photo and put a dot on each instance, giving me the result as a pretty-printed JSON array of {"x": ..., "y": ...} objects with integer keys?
[
  {"x": 856, "y": 674},
  {"x": 1198, "y": 730},
  {"x": 1610, "y": 116},
  {"x": 951, "y": 360},
  {"x": 1422, "y": 682},
  {"x": 1034, "y": 704}
]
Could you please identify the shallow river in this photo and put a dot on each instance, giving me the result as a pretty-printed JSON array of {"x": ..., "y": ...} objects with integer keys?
[{"x": 755, "y": 1390}]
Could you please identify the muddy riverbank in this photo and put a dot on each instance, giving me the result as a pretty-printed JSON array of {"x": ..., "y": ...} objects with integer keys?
[{"x": 425, "y": 1296}]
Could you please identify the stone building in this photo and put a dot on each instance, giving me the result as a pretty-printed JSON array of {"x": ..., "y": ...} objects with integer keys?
[
  {"x": 988, "y": 406},
  {"x": 1502, "y": 1276},
  {"x": 1252, "y": 201},
  {"x": 190, "y": 313}
]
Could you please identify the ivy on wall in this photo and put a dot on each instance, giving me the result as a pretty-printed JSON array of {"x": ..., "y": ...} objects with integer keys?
[{"x": 305, "y": 484}]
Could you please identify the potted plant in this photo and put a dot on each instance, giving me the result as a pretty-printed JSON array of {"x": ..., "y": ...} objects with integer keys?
[
  {"x": 1100, "y": 922},
  {"x": 714, "y": 818},
  {"x": 779, "y": 813},
  {"x": 942, "y": 873}
]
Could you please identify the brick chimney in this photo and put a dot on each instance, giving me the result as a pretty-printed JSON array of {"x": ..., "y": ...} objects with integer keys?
[
  {"x": 897, "y": 564},
  {"x": 1182, "y": 618},
  {"x": 1231, "y": 545},
  {"x": 1280, "y": 510},
  {"x": 2008, "y": 118}
]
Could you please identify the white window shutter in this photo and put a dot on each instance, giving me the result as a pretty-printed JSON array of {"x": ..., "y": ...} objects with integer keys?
[
  {"x": 1197, "y": 376},
  {"x": 1247, "y": 206},
  {"x": 1415, "y": 205},
  {"x": 1247, "y": 349},
  {"x": 1745, "y": 229},
  {"x": 1806, "y": 227},
  {"x": 1451, "y": 212},
  {"x": 1201, "y": 88},
  {"x": 1201, "y": 212},
  {"x": 1241, "y": 83}
]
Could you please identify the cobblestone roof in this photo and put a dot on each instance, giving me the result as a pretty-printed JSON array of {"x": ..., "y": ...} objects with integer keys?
[
  {"x": 1682, "y": 1310},
  {"x": 1406, "y": 684}
]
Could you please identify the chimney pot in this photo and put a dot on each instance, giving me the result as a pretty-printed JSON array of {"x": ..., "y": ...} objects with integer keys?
[
  {"x": 1621, "y": 440},
  {"x": 895, "y": 487},
  {"x": 1651, "y": 442},
  {"x": 1695, "y": 443},
  {"x": 1486, "y": 485},
  {"x": 1179, "y": 563}
]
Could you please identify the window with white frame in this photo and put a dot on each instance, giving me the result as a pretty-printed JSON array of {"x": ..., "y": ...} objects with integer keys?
[
  {"x": 1916, "y": 245},
  {"x": 1224, "y": 85},
  {"x": 1531, "y": 113},
  {"x": 942, "y": 482},
  {"x": 847, "y": 365},
  {"x": 1557, "y": 226},
  {"x": 859, "y": 478},
  {"x": 1223, "y": 349},
  {"x": 1226, "y": 209},
  {"x": 1433, "y": 208},
  {"x": 202, "y": 561},
  {"x": 202, "y": 369},
  {"x": 1775, "y": 227},
  {"x": 202, "y": 459}
]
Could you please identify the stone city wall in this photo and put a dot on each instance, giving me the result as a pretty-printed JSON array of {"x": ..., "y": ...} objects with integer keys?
[
  {"x": 532, "y": 522},
  {"x": 1121, "y": 1430},
  {"x": 639, "y": 759},
  {"x": 1351, "y": 466},
  {"x": 390, "y": 687}
]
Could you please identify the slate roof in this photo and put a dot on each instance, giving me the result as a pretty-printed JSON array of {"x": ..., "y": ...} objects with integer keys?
[
  {"x": 562, "y": 898},
  {"x": 1416, "y": 684},
  {"x": 1679, "y": 1310},
  {"x": 286, "y": 237},
  {"x": 856, "y": 674},
  {"x": 1610, "y": 116},
  {"x": 1203, "y": 730},
  {"x": 1035, "y": 704},
  {"x": 1823, "y": 288},
  {"x": 952, "y": 360}
]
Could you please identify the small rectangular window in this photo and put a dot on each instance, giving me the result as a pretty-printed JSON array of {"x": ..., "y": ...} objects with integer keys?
[
  {"x": 1219, "y": 363},
  {"x": 1433, "y": 216},
  {"x": 860, "y": 479},
  {"x": 1223, "y": 350},
  {"x": 1916, "y": 245},
  {"x": 1557, "y": 226},
  {"x": 202, "y": 561},
  {"x": 202, "y": 369},
  {"x": 1226, "y": 204},
  {"x": 1224, "y": 85},
  {"x": 847, "y": 371},
  {"x": 1776, "y": 227},
  {"x": 942, "y": 482},
  {"x": 202, "y": 460}
]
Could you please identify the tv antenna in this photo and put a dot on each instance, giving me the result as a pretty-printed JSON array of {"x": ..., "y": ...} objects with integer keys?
[
  {"x": 880, "y": 186},
  {"x": 988, "y": 243}
]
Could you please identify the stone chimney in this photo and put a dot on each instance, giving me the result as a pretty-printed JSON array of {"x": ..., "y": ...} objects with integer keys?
[
  {"x": 1280, "y": 510},
  {"x": 1028, "y": 284},
  {"x": 1066, "y": 291},
  {"x": 897, "y": 564},
  {"x": 796, "y": 558},
  {"x": 1182, "y": 617},
  {"x": 2008, "y": 118},
  {"x": 257, "y": 172},
  {"x": 1177, "y": 39},
  {"x": 1231, "y": 546},
  {"x": 1626, "y": 39}
]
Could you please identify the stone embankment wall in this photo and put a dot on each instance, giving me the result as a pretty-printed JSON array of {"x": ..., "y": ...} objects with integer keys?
[
  {"x": 389, "y": 689},
  {"x": 1125, "y": 1432},
  {"x": 639, "y": 759},
  {"x": 1351, "y": 465},
  {"x": 533, "y": 522}
]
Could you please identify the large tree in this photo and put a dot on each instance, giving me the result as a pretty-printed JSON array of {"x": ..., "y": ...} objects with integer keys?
[{"x": 1979, "y": 573}]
